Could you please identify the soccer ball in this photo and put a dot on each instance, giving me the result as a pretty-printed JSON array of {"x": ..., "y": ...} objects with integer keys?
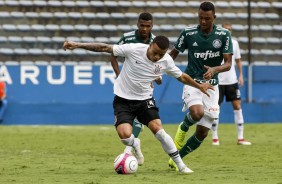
[{"x": 125, "y": 164}]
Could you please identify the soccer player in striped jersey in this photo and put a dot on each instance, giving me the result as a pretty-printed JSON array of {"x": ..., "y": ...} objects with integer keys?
[
  {"x": 228, "y": 87},
  {"x": 207, "y": 46},
  {"x": 142, "y": 35},
  {"x": 134, "y": 94}
]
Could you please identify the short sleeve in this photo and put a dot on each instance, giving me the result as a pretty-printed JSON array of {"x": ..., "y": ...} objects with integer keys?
[
  {"x": 228, "y": 46},
  {"x": 236, "y": 49},
  {"x": 121, "y": 50},
  {"x": 172, "y": 69},
  {"x": 181, "y": 44},
  {"x": 121, "y": 41}
]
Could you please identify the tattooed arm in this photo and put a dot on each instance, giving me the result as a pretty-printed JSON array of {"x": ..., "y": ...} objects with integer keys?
[{"x": 95, "y": 47}]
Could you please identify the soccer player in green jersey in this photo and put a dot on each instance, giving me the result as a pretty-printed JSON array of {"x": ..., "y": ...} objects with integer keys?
[
  {"x": 207, "y": 46},
  {"x": 142, "y": 35}
]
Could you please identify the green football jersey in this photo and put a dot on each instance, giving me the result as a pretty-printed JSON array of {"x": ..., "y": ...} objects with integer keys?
[
  {"x": 204, "y": 50},
  {"x": 133, "y": 37}
]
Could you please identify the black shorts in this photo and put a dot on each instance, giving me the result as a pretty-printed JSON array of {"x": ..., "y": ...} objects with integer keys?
[
  {"x": 231, "y": 93},
  {"x": 126, "y": 110}
]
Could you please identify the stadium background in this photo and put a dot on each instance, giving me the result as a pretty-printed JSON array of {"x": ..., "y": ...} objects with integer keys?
[{"x": 47, "y": 85}]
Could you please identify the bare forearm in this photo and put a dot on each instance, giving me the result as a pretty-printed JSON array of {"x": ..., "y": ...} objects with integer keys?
[
  {"x": 222, "y": 68},
  {"x": 239, "y": 66},
  {"x": 204, "y": 87},
  {"x": 96, "y": 47},
  {"x": 186, "y": 79},
  {"x": 114, "y": 64}
]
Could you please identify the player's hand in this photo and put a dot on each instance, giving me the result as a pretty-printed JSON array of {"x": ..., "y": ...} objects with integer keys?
[
  {"x": 204, "y": 87},
  {"x": 159, "y": 81},
  {"x": 210, "y": 73},
  {"x": 69, "y": 45}
]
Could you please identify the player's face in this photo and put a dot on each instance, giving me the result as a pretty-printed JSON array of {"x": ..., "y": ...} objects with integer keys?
[
  {"x": 154, "y": 53},
  {"x": 206, "y": 19},
  {"x": 144, "y": 28}
]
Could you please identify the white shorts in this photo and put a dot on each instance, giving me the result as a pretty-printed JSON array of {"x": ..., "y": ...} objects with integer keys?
[{"x": 193, "y": 96}]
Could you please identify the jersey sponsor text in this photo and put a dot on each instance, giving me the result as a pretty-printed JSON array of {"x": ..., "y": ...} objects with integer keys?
[
  {"x": 207, "y": 54},
  {"x": 192, "y": 33},
  {"x": 227, "y": 43},
  {"x": 211, "y": 81},
  {"x": 220, "y": 33},
  {"x": 181, "y": 41}
]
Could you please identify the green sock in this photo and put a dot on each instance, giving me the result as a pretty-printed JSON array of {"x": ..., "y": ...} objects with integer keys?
[
  {"x": 137, "y": 127},
  {"x": 191, "y": 144},
  {"x": 187, "y": 122}
]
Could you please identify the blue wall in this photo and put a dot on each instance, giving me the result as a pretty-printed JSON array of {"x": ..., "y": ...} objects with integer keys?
[{"x": 82, "y": 94}]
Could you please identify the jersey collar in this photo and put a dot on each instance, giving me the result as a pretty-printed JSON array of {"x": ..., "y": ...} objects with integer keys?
[
  {"x": 204, "y": 35},
  {"x": 140, "y": 39}
]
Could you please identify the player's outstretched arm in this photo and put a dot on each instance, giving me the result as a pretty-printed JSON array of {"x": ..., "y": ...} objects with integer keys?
[
  {"x": 95, "y": 47},
  {"x": 186, "y": 79}
]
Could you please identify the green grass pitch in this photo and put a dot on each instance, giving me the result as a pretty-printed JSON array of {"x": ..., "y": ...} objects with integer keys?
[{"x": 85, "y": 155}]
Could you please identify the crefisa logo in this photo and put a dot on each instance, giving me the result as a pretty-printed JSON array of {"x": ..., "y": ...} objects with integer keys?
[{"x": 216, "y": 43}]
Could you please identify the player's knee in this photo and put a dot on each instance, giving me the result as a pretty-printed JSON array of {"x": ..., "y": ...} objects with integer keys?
[
  {"x": 236, "y": 104},
  {"x": 124, "y": 136},
  {"x": 155, "y": 125},
  {"x": 124, "y": 130},
  {"x": 197, "y": 115}
]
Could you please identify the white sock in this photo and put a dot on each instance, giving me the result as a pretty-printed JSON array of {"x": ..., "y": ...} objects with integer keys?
[
  {"x": 239, "y": 121},
  {"x": 214, "y": 129},
  {"x": 169, "y": 147},
  {"x": 129, "y": 142}
]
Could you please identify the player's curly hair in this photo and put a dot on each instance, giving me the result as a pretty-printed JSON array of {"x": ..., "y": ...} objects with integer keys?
[
  {"x": 207, "y": 6},
  {"x": 162, "y": 42},
  {"x": 145, "y": 16}
]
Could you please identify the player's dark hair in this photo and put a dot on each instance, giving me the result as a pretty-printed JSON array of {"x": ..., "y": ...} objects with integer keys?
[
  {"x": 145, "y": 16},
  {"x": 162, "y": 42},
  {"x": 207, "y": 6}
]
